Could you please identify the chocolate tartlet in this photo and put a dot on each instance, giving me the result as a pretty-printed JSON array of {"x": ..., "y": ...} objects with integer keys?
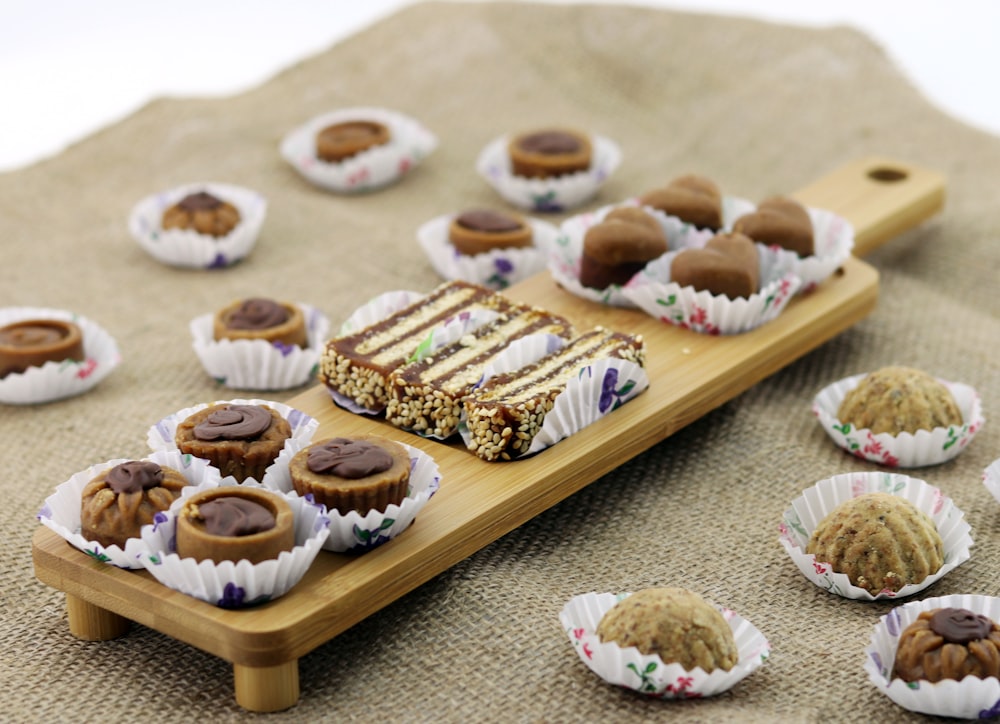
[
  {"x": 234, "y": 524},
  {"x": 728, "y": 264},
  {"x": 899, "y": 399},
  {"x": 260, "y": 318},
  {"x": 204, "y": 213},
  {"x": 362, "y": 473},
  {"x": 343, "y": 140},
  {"x": 33, "y": 342},
  {"x": 619, "y": 246},
  {"x": 948, "y": 643},
  {"x": 677, "y": 625},
  {"x": 693, "y": 199},
  {"x": 478, "y": 231},
  {"x": 549, "y": 152},
  {"x": 240, "y": 440},
  {"x": 117, "y": 503}
]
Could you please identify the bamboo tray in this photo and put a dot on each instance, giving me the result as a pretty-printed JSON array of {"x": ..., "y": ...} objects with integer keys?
[{"x": 690, "y": 374}]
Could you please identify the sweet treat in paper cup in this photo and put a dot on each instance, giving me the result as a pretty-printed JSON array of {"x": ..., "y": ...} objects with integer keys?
[
  {"x": 50, "y": 354},
  {"x": 496, "y": 268},
  {"x": 971, "y": 622},
  {"x": 811, "y": 509},
  {"x": 186, "y": 246},
  {"x": 231, "y": 434},
  {"x": 354, "y": 532},
  {"x": 234, "y": 584},
  {"x": 62, "y": 511},
  {"x": 656, "y": 292},
  {"x": 552, "y": 193},
  {"x": 380, "y": 160},
  {"x": 565, "y": 253},
  {"x": 904, "y": 449},
  {"x": 991, "y": 479},
  {"x": 260, "y": 363},
  {"x": 648, "y": 673}
]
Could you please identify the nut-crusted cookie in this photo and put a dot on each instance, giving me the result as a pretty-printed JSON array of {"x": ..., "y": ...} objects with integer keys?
[
  {"x": 693, "y": 199},
  {"x": 899, "y": 399},
  {"x": 619, "y": 246},
  {"x": 202, "y": 212}
]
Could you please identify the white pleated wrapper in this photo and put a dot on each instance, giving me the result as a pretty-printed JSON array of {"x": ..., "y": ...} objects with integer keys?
[
  {"x": 256, "y": 364},
  {"x": 647, "y": 673},
  {"x": 594, "y": 391},
  {"x": 160, "y": 436},
  {"x": 815, "y": 503},
  {"x": 991, "y": 479},
  {"x": 496, "y": 269},
  {"x": 356, "y": 533},
  {"x": 970, "y": 698},
  {"x": 188, "y": 248},
  {"x": 231, "y": 584},
  {"x": 556, "y": 194},
  {"x": 905, "y": 450},
  {"x": 59, "y": 380},
  {"x": 565, "y": 252},
  {"x": 371, "y": 169},
  {"x": 61, "y": 511}
]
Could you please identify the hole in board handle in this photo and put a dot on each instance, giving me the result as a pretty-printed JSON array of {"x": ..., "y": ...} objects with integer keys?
[{"x": 884, "y": 174}]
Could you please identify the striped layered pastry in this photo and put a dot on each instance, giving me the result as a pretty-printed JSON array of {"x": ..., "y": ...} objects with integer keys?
[
  {"x": 357, "y": 366},
  {"x": 507, "y": 411},
  {"x": 426, "y": 396}
]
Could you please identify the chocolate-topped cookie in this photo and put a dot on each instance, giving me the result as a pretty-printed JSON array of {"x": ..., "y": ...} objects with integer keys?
[
  {"x": 477, "y": 231},
  {"x": 779, "y": 221},
  {"x": 619, "y": 246},
  {"x": 948, "y": 643},
  {"x": 728, "y": 264},
  {"x": 33, "y": 342},
  {"x": 202, "y": 212},
  {"x": 261, "y": 318},
  {"x": 343, "y": 140},
  {"x": 549, "y": 152},
  {"x": 693, "y": 199}
]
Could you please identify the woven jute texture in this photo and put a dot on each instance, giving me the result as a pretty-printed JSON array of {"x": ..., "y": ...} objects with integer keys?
[{"x": 760, "y": 108}]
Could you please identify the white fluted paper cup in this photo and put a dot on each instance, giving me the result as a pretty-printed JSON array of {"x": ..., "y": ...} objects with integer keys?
[
  {"x": 970, "y": 698},
  {"x": 186, "y": 247},
  {"x": 61, "y": 511},
  {"x": 647, "y": 673},
  {"x": 991, "y": 479},
  {"x": 815, "y": 503}
]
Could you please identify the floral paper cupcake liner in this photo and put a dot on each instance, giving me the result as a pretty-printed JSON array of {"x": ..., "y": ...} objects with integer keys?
[
  {"x": 565, "y": 251},
  {"x": 368, "y": 170},
  {"x": 160, "y": 436},
  {"x": 905, "y": 450},
  {"x": 815, "y": 503},
  {"x": 991, "y": 479},
  {"x": 970, "y": 698},
  {"x": 186, "y": 247},
  {"x": 355, "y": 533},
  {"x": 556, "y": 194},
  {"x": 256, "y": 364},
  {"x": 647, "y": 673},
  {"x": 230, "y": 584},
  {"x": 496, "y": 269},
  {"x": 61, "y": 511},
  {"x": 67, "y": 378}
]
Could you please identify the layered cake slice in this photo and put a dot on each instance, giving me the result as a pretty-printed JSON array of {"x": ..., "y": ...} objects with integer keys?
[
  {"x": 508, "y": 410},
  {"x": 357, "y": 365},
  {"x": 426, "y": 396}
]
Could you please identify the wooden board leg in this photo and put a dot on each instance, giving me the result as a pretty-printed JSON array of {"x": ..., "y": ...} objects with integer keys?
[
  {"x": 267, "y": 688},
  {"x": 93, "y": 623}
]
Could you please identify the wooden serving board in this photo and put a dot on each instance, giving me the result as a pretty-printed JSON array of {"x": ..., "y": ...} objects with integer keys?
[{"x": 690, "y": 374}]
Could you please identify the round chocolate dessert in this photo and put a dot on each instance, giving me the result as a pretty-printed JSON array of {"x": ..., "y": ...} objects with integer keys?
[
  {"x": 549, "y": 152},
  {"x": 478, "y": 231},
  {"x": 362, "y": 473},
  {"x": 259, "y": 318},
  {"x": 240, "y": 440},
  {"x": 948, "y": 643},
  {"x": 899, "y": 399},
  {"x": 343, "y": 140},
  {"x": 33, "y": 342},
  {"x": 204, "y": 213},
  {"x": 117, "y": 503},
  {"x": 235, "y": 524}
]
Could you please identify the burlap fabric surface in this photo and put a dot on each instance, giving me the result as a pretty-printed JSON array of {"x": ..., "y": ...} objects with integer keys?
[{"x": 760, "y": 108}]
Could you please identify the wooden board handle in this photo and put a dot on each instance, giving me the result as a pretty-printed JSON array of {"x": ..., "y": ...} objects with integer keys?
[{"x": 880, "y": 196}]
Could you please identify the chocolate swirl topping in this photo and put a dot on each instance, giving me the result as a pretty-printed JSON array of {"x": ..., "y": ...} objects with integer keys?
[
  {"x": 550, "y": 143},
  {"x": 233, "y": 516},
  {"x": 31, "y": 334},
  {"x": 200, "y": 201},
  {"x": 257, "y": 313},
  {"x": 134, "y": 476},
  {"x": 347, "y": 458},
  {"x": 234, "y": 422},
  {"x": 487, "y": 220},
  {"x": 959, "y": 625}
]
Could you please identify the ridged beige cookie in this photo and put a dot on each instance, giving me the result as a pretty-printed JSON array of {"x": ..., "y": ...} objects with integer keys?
[
  {"x": 882, "y": 542},
  {"x": 899, "y": 399}
]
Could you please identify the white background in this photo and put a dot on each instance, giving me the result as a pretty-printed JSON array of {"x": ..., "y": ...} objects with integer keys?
[{"x": 69, "y": 67}]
